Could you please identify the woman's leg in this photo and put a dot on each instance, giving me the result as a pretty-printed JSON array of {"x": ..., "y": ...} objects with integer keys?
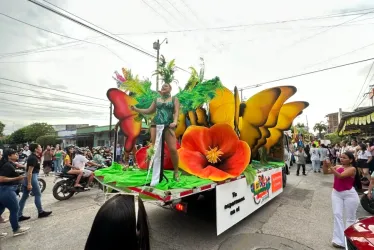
[
  {"x": 351, "y": 201},
  {"x": 36, "y": 192},
  {"x": 337, "y": 208},
  {"x": 79, "y": 174},
  {"x": 153, "y": 135},
  {"x": 172, "y": 145},
  {"x": 153, "y": 139},
  {"x": 25, "y": 196},
  {"x": 10, "y": 201}
]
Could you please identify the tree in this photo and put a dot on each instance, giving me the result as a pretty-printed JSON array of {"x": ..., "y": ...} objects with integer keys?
[
  {"x": 334, "y": 138},
  {"x": 45, "y": 140},
  {"x": 18, "y": 136},
  {"x": 35, "y": 130},
  {"x": 2, "y": 126},
  {"x": 320, "y": 127}
]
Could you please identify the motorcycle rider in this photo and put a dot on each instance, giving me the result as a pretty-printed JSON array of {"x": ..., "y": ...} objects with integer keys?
[
  {"x": 69, "y": 168},
  {"x": 80, "y": 162},
  {"x": 97, "y": 156}
]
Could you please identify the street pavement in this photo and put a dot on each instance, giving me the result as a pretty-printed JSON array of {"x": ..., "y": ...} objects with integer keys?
[{"x": 300, "y": 218}]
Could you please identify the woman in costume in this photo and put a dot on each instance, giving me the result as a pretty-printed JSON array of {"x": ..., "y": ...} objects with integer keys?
[{"x": 167, "y": 112}]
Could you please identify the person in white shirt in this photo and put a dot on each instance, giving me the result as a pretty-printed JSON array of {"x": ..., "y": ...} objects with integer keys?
[
  {"x": 26, "y": 151},
  {"x": 364, "y": 158},
  {"x": 314, "y": 157},
  {"x": 354, "y": 148},
  {"x": 323, "y": 154},
  {"x": 80, "y": 162}
]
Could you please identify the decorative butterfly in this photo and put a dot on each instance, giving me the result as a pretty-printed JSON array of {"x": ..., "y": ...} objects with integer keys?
[
  {"x": 261, "y": 119},
  {"x": 129, "y": 122}
]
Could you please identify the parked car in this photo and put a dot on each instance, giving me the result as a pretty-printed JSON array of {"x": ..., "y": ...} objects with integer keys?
[{"x": 360, "y": 236}]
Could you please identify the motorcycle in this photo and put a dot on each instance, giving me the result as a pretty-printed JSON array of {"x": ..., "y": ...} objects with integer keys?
[
  {"x": 41, "y": 182},
  {"x": 64, "y": 189}
]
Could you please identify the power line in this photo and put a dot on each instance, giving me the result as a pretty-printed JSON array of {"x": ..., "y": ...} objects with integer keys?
[
  {"x": 53, "y": 99},
  {"x": 328, "y": 29},
  {"x": 154, "y": 10},
  {"x": 336, "y": 57},
  {"x": 28, "y": 62},
  {"x": 86, "y": 21},
  {"x": 62, "y": 35},
  {"x": 48, "y": 106},
  {"x": 303, "y": 74},
  {"x": 91, "y": 28},
  {"x": 166, "y": 10},
  {"x": 257, "y": 24},
  {"x": 98, "y": 31},
  {"x": 62, "y": 91},
  {"x": 362, "y": 87}
]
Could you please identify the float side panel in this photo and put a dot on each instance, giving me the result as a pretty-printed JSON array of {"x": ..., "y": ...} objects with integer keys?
[{"x": 236, "y": 200}]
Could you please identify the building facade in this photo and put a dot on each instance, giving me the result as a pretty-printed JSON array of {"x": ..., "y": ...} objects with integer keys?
[{"x": 333, "y": 120}]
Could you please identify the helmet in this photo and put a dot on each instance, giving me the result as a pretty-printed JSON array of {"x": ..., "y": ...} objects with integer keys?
[
  {"x": 96, "y": 150},
  {"x": 80, "y": 150},
  {"x": 69, "y": 147}
]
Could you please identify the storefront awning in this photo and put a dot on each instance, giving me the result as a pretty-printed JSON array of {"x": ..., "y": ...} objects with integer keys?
[{"x": 359, "y": 122}]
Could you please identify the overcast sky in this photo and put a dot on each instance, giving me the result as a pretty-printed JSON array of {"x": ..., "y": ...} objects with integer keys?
[{"x": 222, "y": 32}]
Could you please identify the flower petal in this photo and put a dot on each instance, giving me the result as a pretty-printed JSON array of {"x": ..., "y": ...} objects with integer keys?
[
  {"x": 214, "y": 174},
  {"x": 195, "y": 163},
  {"x": 191, "y": 161},
  {"x": 196, "y": 138},
  {"x": 236, "y": 164},
  {"x": 141, "y": 156},
  {"x": 223, "y": 136}
]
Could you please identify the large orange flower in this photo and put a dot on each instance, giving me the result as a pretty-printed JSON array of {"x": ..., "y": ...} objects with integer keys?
[{"x": 214, "y": 153}]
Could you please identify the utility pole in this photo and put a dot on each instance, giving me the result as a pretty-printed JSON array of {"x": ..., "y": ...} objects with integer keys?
[
  {"x": 157, "y": 47},
  {"x": 110, "y": 124},
  {"x": 241, "y": 94}
]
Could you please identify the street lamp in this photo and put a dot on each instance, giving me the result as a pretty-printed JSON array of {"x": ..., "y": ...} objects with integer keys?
[{"x": 157, "y": 46}]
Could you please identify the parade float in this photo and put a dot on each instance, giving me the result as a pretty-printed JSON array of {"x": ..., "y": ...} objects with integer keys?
[{"x": 230, "y": 150}]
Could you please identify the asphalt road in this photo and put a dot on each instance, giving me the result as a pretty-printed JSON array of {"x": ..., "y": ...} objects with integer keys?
[{"x": 300, "y": 218}]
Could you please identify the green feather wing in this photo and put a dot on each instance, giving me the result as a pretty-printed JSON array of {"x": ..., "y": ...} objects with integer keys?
[{"x": 200, "y": 94}]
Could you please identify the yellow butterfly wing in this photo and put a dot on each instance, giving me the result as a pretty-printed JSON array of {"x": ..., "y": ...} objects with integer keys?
[
  {"x": 193, "y": 117},
  {"x": 181, "y": 127},
  {"x": 287, "y": 114},
  {"x": 202, "y": 118},
  {"x": 222, "y": 107},
  {"x": 256, "y": 113},
  {"x": 286, "y": 93}
]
